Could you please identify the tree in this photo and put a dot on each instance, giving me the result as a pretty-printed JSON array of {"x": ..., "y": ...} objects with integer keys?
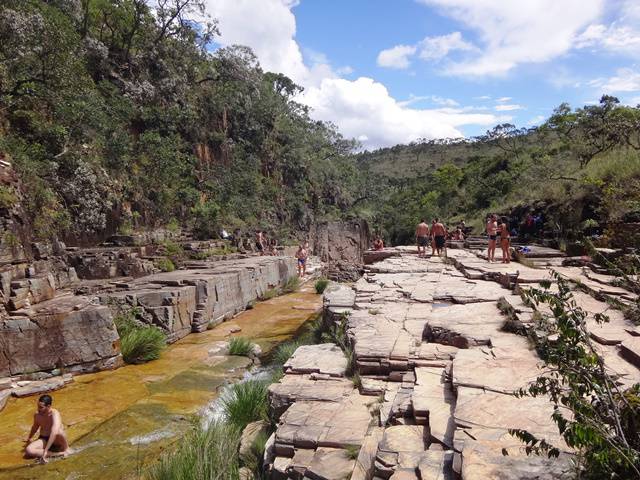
[{"x": 603, "y": 421}]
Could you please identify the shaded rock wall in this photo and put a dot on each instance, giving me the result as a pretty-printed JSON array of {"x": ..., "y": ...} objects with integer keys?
[
  {"x": 68, "y": 332},
  {"x": 340, "y": 241}
]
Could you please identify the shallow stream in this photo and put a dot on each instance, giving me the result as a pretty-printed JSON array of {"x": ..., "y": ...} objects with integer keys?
[{"x": 119, "y": 421}]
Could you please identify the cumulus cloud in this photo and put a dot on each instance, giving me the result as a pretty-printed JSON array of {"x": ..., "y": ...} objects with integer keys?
[
  {"x": 507, "y": 107},
  {"x": 513, "y": 33},
  {"x": 620, "y": 36},
  {"x": 361, "y": 108},
  {"x": 435, "y": 48},
  {"x": 625, "y": 80},
  {"x": 430, "y": 48},
  {"x": 503, "y": 99},
  {"x": 364, "y": 109},
  {"x": 396, "y": 57}
]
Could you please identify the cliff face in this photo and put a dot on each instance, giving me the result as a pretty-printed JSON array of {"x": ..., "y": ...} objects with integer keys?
[{"x": 341, "y": 246}]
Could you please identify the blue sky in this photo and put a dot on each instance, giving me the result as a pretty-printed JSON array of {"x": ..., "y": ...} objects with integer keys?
[{"x": 393, "y": 71}]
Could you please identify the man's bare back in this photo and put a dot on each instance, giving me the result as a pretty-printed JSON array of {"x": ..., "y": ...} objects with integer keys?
[{"x": 422, "y": 230}]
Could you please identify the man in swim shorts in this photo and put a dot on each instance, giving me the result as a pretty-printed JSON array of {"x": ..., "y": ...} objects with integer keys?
[
  {"x": 302, "y": 254},
  {"x": 439, "y": 236},
  {"x": 422, "y": 238},
  {"x": 52, "y": 438}
]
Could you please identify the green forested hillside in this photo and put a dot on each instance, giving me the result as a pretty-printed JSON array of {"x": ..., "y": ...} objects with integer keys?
[
  {"x": 580, "y": 171},
  {"x": 118, "y": 117}
]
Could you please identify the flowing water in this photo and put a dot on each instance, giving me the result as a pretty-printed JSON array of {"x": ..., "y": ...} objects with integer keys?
[{"x": 119, "y": 421}]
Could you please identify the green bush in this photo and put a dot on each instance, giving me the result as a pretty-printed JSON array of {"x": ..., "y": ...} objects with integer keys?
[
  {"x": 321, "y": 285},
  {"x": 240, "y": 346},
  {"x": 172, "y": 249},
  {"x": 246, "y": 402},
  {"x": 203, "y": 454},
  {"x": 165, "y": 264},
  {"x": 292, "y": 285},
  {"x": 7, "y": 197},
  {"x": 140, "y": 345}
]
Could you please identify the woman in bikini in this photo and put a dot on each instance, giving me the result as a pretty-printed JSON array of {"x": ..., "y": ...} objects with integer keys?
[{"x": 492, "y": 232}]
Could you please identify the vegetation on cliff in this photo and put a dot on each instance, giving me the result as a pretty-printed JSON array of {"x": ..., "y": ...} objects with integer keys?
[{"x": 120, "y": 115}]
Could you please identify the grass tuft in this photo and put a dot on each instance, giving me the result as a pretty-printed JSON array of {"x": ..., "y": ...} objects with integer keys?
[
  {"x": 165, "y": 264},
  {"x": 204, "y": 453},
  {"x": 321, "y": 285},
  {"x": 240, "y": 346},
  {"x": 138, "y": 343},
  {"x": 142, "y": 345},
  {"x": 246, "y": 402},
  {"x": 352, "y": 451},
  {"x": 269, "y": 294},
  {"x": 284, "y": 352},
  {"x": 292, "y": 285}
]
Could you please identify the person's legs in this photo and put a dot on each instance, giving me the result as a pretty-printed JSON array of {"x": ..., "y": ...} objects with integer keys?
[
  {"x": 492, "y": 249},
  {"x": 304, "y": 268},
  {"x": 35, "y": 449}
]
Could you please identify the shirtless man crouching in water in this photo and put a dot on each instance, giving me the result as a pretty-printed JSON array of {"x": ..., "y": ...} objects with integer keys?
[
  {"x": 52, "y": 438},
  {"x": 422, "y": 238}
]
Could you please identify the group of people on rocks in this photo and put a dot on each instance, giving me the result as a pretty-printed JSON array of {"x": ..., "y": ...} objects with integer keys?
[{"x": 436, "y": 236}]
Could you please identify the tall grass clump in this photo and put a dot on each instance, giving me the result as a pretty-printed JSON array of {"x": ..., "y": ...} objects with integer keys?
[
  {"x": 142, "y": 345},
  {"x": 246, "y": 402},
  {"x": 269, "y": 294},
  {"x": 321, "y": 285},
  {"x": 138, "y": 343},
  {"x": 284, "y": 352},
  {"x": 292, "y": 285},
  {"x": 205, "y": 453},
  {"x": 240, "y": 346}
]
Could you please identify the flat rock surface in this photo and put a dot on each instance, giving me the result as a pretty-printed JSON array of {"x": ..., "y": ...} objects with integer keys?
[
  {"x": 325, "y": 358},
  {"x": 497, "y": 369}
]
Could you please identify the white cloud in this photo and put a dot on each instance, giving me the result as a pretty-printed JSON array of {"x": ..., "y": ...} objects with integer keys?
[
  {"x": 396, "y": 57},
  {"x": 513, "y": 33},
  {"x": 615, "y": 37},
  {"x": 362, "y": 108},
  {"x": 503, "y": 99},
  {"x": 482, "y": 97},
  {"x": 435, "y": 48},
  {"x": 430, "y": 48},
  {"x": 507, "y": 108},
  {"x": 625, "y": 80},
  {"x": 359, "y": 108}
]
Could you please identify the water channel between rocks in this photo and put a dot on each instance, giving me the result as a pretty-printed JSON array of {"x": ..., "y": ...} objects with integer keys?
[{"x": 118, "y": 421}]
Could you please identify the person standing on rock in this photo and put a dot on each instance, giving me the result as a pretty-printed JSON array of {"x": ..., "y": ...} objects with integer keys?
[
  {"x": 302, "y": 255},
  {"x": 422, "y": 238},
  {"x": 492, "y": 232},
  {"x": 52, "y": 438},
  {"x": 439, "y": 233},
  {"x": 505, "y": 240},
  {"x": 260, "y": 242}
]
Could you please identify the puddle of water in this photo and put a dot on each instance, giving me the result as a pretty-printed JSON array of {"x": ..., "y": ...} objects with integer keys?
[
  {"x": 441, "y": 304},
  {"x": 118, "y": 421}
]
